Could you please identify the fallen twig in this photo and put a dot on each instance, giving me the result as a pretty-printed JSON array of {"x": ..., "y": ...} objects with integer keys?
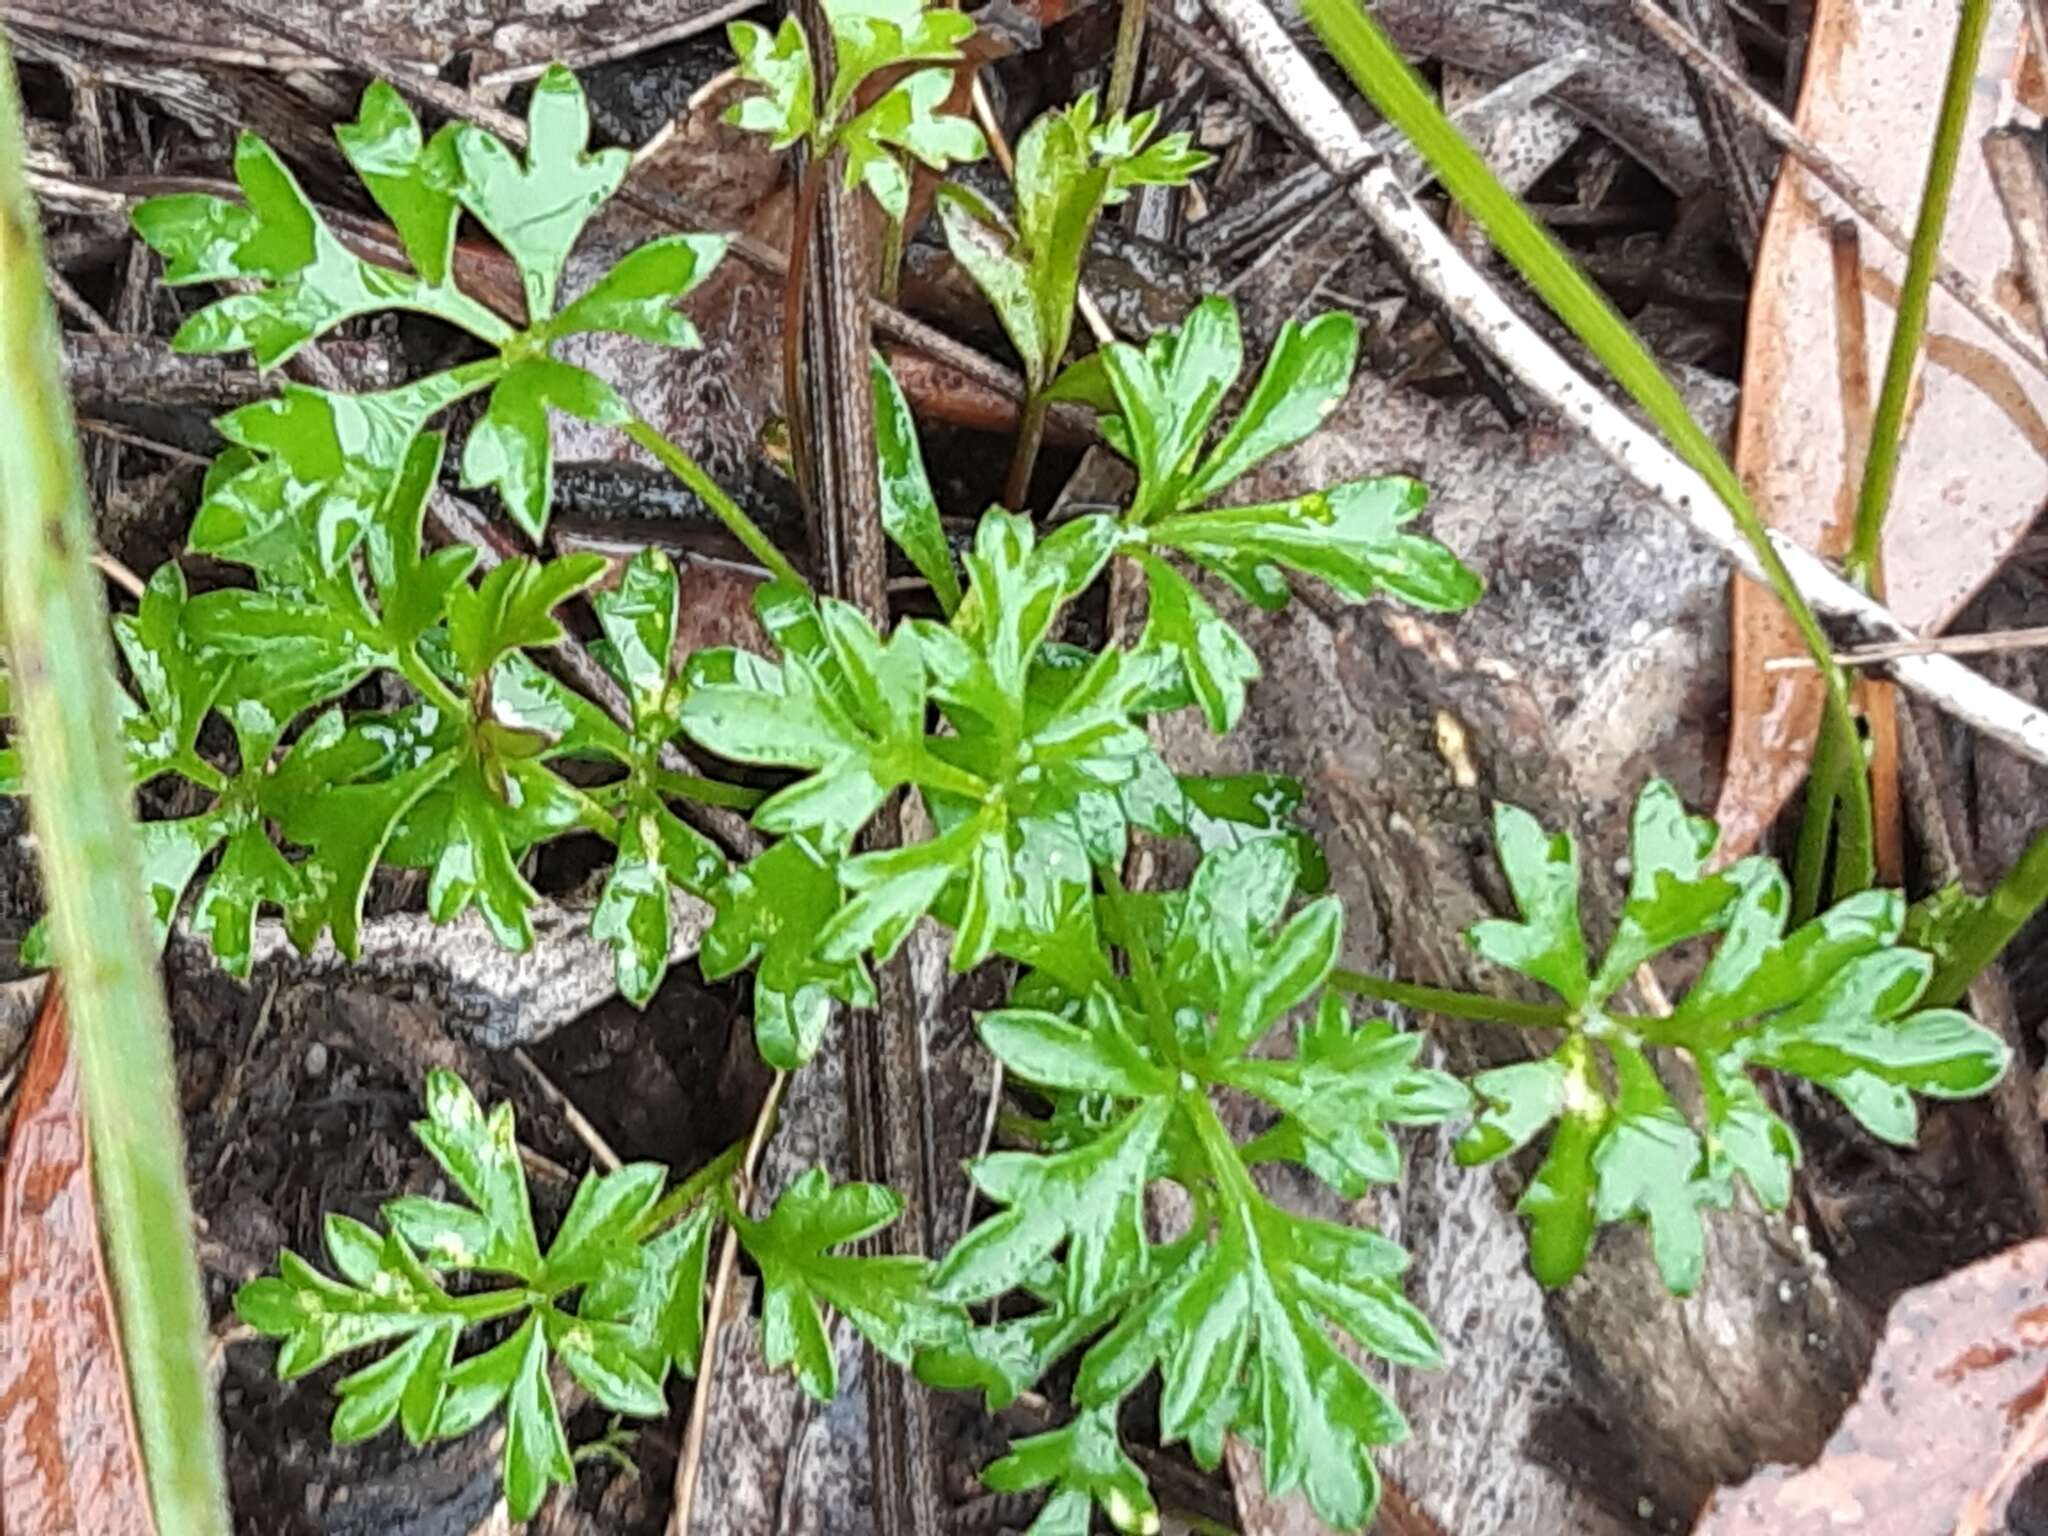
[
  {"x": 1435, "y": 263},
  {"x": 690, "y": 1464}
]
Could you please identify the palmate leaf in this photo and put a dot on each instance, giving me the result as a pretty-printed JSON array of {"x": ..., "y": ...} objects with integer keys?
[
  {"x": 1036, "y": 738},
  {"x": 537, "y": 206},
  {"x": 906, "y": 120},
  {"x": 843, "y": 705},
  {"x": 412, "y": 177},
  {"x": 770, "y": 914},
  {"x": 511, "y": 449},
  {"x": 888, "y": 1298},
  {"x": 178, "y": 684},
  {"x": 639, "y": 1312},
  {"x": 1236, "y": 1316},
  {"x": 1160, "y": 403},
  {"x": 1085, "y": 1464},
  {"x": 1832, "y": 1001},
  {"x": 780, "y": 62}
]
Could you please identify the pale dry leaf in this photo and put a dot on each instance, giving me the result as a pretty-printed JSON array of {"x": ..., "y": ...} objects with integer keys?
[
  {"x": 1974, "y": 468},
  {"x": 1937, "y": 1440}
]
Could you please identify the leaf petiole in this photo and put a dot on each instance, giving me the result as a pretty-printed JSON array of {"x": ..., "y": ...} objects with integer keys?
[
  {"x": 934, "y": 772},
  {"x": 723, "y": 507},
  {"x": 690, "y": 786},
  {"x": 714, "y": 1176},
  {"x": 1453, "y": 1004},
  {"x": 1124, "y": 929}
]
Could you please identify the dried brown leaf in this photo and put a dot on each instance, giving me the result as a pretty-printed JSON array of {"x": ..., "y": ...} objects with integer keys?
[
  {"x": 69, "y": 1462},
  {"x": 1938, "y": 1442},
  {"x": 1974, "y": 468}
]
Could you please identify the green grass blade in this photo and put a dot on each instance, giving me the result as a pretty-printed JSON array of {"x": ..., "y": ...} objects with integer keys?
[
  {"x": 1393, "y": 87},
  {"x": 63, "y": 674},
  {"x": 1888, "y": 427}
]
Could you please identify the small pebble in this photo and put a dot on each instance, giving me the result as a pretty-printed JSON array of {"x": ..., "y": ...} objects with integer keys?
[{"x": 316, "y": 1059}]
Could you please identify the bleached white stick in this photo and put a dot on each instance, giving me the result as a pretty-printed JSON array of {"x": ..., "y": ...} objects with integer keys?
[{"x": 1435, "y": 263}]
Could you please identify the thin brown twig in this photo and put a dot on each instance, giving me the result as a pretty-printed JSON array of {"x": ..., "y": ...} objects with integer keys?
[
  {"x": 129, "y": 439},
  {"x": 118, "y": 574},
  {"x": 1933, "y": 645},
  {"x": 592, "y": 1139},
  {"x": 1832, "y": 174},
  {"x": 689, "y": 1466}
]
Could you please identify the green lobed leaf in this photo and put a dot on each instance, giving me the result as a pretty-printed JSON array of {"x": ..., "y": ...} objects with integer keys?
[
  {"x": 412, "y": 178},
  {"x": 888, "y": 1299},
  {"x": 511, "y": 449},
  {"x": 1091, "y": 1198},
  {"x": 909, "y": 117},
  {"x": 178, "y": 683},
  {"x": 1339, "y": 1092},
  {"x": 537, "y": 207},
  {"x": 637, "y": 297},
  {"x": 480, "y": 1155},
  {"x": 513, "y": 608},
  {"x": 910, "y": 513},
  {"x": 1085, "y": 1465},
  {"x": 388, "y": 1293},
  {"x": 536, "y": 1448},
  {"x": 773, "y": 910},
  {"x": 1304, "y": 380},
  {"x": 1212, "y": 656},
  {"x": 1832, "y": 1001},
  {"x": 850, "y": 711},
  {"x": 308, "y": 281},
  {"x": 781, "y": 62},
  {"x": 657, "y": 1290},
  {"x": 1348, "y": 537}
]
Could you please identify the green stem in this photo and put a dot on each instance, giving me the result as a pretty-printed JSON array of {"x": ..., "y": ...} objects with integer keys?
[
  {"x": 892, "y": 257},
  {"x": 1024, "y": 460},
  {"x": 1856, "y": 836},
  {"x": 1809, "y": 859},
  {"x": 1454, "y": 1005},
  {"x": 1123, "y": 72},
  {"x": 1888, "y": 427},
  {"x": 489, "y": 1306},
  {"x": 57, "y": 642},
  {"x": 689, "y": 786},
  {"x": 692, "y": 1190},
  {"x": 931, "y": 771},
  {"x": 413, "y": 667},
  {"x": 723, "y": 507},
  {"x": 1123, "y": 924},
  {"x": 1393, "y": 87},
  {"x": 1233, "y": 1179},
  {"x": 2005, "y": 911},
  {"x": 461, "y": 311}
]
